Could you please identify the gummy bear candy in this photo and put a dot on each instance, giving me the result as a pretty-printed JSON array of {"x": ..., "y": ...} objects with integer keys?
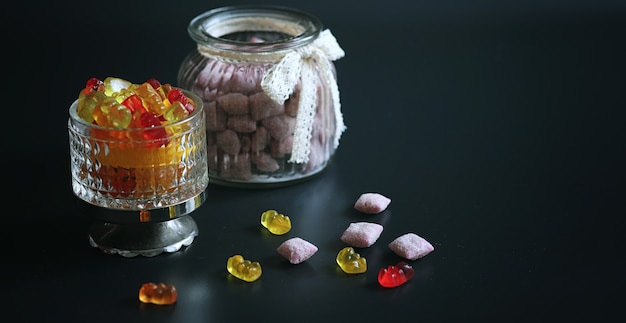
[
  {"x": 157, "y": 136},
  {"x": 394, "y": 276},
  {"x": 275, "y": 222},
  {"x": 176, "y": 111},
  {"x": 122, "y": 181},
  {"x": 110, "y": 113},
  {"x": 177, "y": 95},
  {"x": 133, "y": 120},
  {"x": 134, "y": 104},
  {"x": 159, "y": 294},
  {"x": 152, "y": 100},
  {"x": 351, "y": 262},
  {"x": 243, "y": 269},
  {"x": 154, "y": 82},
  {"x": 114, "y": 86},
  {"x": 108, "y": 100}
]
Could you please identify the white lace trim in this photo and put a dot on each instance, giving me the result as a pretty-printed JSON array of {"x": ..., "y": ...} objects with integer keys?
[{"x": 300, "y": 64}]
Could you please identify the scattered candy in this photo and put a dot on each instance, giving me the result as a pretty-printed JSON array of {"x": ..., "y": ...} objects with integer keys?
[
  {"x": 159, "y": 294},
  {"x": 243, "y": 269},
  {"x": 351, "y": 262},
  {"x": 411, "y": 246},
  {"x": 361, "y": 234},
  {"x": 297, "y": 250},
  {"x": 371, "y": 203},
  {"x": 394, "y": 276},
  {"x": 275, "y": 222}
]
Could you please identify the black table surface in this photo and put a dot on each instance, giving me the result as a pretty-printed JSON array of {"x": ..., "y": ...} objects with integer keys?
[{"x": 496, "y": 128}]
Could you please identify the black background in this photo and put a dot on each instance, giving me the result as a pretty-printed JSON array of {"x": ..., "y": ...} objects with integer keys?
[{"x": 496, "y": 128}]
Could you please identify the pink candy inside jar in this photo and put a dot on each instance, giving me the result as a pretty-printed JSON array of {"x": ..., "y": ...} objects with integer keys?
[{"x": 266, "y": 77}]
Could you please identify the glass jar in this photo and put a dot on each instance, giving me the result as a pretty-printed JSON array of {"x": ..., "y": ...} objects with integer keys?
[{"x": 268, "y": 82}]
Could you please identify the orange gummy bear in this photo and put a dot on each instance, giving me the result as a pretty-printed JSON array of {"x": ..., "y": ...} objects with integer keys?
[{"x": 159, "y": 294}]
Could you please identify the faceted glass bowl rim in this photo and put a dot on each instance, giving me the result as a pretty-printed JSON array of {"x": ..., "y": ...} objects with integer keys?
[{"x": 199, "y": 106}]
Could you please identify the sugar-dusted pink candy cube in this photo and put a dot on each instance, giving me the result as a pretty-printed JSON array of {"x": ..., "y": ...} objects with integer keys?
[
  {"x": 411, "y": 246},
  {"x": 233, "y": 103},
  {"x": 262, "y": 106},
  {"x": 297, "y": 250},
  {"x": 265, "y": 163},
  {"x": 361, "y": 234},
  {"x": 372, "y": 203},
  {"x": 228, "y": 141}
]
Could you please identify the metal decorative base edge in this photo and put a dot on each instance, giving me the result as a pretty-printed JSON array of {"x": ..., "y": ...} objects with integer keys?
[{"x": 143, "y": 239}]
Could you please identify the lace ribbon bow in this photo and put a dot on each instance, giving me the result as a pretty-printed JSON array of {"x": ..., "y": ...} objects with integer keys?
[{"x": 300, "y": 65}]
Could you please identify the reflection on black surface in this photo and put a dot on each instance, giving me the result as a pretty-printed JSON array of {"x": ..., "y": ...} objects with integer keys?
[{"x": 166, "y": 310}]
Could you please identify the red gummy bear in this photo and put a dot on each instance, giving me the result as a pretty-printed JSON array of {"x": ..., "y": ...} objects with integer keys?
[
  {"x": 154, "y": 83},
  {"x": 92, "y": 85},
  {"x": 176, "y": 94},
  {"x": 134, "y": 103},
  {"x": 156, "y": 134},
  {"x": 123, "y": 181},
  {"x": 394, "y": 276}
]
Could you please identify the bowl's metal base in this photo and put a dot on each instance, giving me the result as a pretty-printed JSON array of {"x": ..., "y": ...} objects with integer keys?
[
  {"x": 145, "y": 239},
  {"x": 131, "y": 233}
]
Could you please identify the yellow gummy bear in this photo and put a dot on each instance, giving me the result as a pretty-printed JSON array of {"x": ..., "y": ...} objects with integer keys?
[
  {"x": 110, "y": 113},
  {"x": 351, "y": 262},
  {"x": 275, "y": 222},
  {"x": 152, "y": 100},
  {"x": 243, "y": 269},
  {"x": 115, "y": 85}
]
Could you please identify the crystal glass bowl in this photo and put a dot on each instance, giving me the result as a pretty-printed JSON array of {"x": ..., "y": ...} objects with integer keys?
[{"x": 140, "y": 179}]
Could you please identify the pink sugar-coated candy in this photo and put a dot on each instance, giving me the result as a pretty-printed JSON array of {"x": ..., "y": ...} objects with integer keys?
[
  {"x": 228, "y": 141},
  {"x": 265, "y": 163},
  {"x": 233, "y": 103},
  {"x": 372, "y": 203},
  {"x": 260, "y": 139},
  {"x": 411, "y": 246},
  {"x": 361, "y": 234},
  {"x": 297, "y": 250},
  {"x": 280, "y": 126},
  {"x": 262, "y": 106},
  {"x": 215, "y": 117},
  {"x": 241, "y": 123}
]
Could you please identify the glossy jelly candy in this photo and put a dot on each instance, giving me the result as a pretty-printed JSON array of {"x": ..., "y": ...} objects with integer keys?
[
  {"x": 152, "y": 100},
  {"x": 176, "y": 111},
  {"x": 351, "y": 262},
  {"x": 134, "y": 104},
  {"x": 394, "y": 276},
  {"x": 159, "y": 294},
  {"x": 275, "y": 222},
  {"x": 243, "y": 269},
  {"x": 177, "y": 95},
  {"x": 126, "y": 156},
  {"x": 110, "y": 113},
  {"x": 103, "y": 102},
  {"x": 116, "y": 105},
  {"x": 113, "y": 86},
  {"x": 118, "y": 181}
]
